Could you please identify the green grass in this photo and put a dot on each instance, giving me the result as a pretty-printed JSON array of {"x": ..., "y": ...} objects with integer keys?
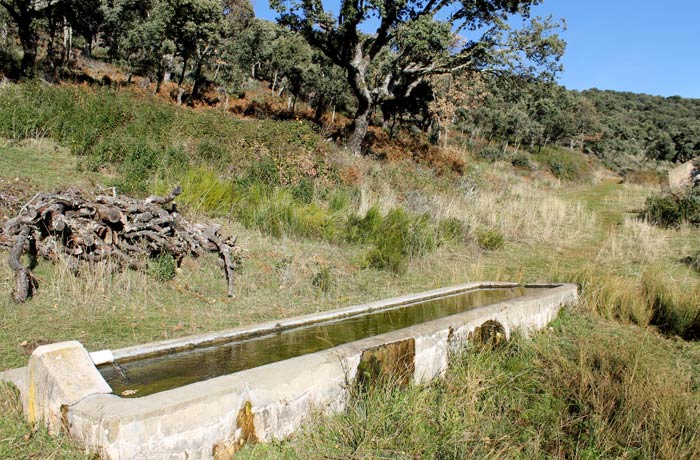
[
  {"x": 615, "y": 379},
  {"x": 19, "y": 440},
  {"x": 565, "y": 164},
  {"x": 585, "y": 388},
  {"x": 140, "y": 135},
  {"x": 42, "y": 164},
  {"x": 674, "y": 209}
]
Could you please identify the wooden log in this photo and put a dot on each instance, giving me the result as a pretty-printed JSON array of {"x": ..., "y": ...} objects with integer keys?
[
  {"x": 13, "y": 226},
  {"x": 161, "y": 200},
  {"x": 70, "y": 228},
  {"x": 25, "y": 281},
  {"x": 225, "y": 254},
  {"x": 110, "y": 214}
]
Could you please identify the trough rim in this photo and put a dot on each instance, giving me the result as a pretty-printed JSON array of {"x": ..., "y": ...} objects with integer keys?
[
  {"x": 226, "y": 383},
  {"x": 206, "y": 339}
]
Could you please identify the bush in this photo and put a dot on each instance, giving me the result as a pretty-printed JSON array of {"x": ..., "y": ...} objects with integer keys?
[
  {"x": 363, "y": 229},
  {"x": 137, "y": 169},
  {"x": 490, "y": 239},
  {"x": 342, "y": 198},
  {"x": 162, "y": 267},
  {"x": 565, "y": 164},
  {"x": 264, "y": 171},
  {"x": 278, "y": 214},
  {"x": 400, "y": 237},
  {"x": 107, "y": 126},
  {"x": 204, "y": 191},
  {"x": 212, "y": 152},
  {"x": 492, "y": 153},
  {"x": 521, "y": 160},
  {"x": 693, "y": 261},
  {"x": 673, "y": 209},
  {"x": 322, "y": 279},
  {"x": 304, "y": 190},
  {"x": 451, "y": 229}
]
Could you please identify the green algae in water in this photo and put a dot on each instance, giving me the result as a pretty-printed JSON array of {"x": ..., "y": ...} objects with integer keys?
[{"x": 150, "y": 375}]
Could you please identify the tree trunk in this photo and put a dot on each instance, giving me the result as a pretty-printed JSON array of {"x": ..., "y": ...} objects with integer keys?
[
  {"x": 320, "y": 107},
  {"x": 184, "y": 70},
  {"x": 28, "y": 40},
  {"x": 359, "y": 127},
  {"x": 274, "y": 81},
  {"x": 88, "y": 45},
  {"x": 356, "y": 77},
  {"x": 197, "y": 80},
  {"x": 160, "y": 73}
]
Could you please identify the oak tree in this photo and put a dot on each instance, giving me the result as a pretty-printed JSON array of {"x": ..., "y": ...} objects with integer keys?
[{"x": 413, "y": 45}]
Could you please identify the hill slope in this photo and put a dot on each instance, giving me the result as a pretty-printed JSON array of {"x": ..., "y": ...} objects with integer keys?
[{"x": 324, "y": 229}]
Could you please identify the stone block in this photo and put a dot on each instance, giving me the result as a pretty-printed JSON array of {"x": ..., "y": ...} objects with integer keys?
[
  {"x": 683, "y": 175},
  {"x": 58, "y": 376}
]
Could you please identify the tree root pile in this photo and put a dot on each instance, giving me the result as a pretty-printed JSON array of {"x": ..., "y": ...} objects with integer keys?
[{"x": 73, "y": 229}]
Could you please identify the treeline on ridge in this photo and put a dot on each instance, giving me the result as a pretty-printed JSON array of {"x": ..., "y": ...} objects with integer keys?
[{"x": 214, "y": 50}]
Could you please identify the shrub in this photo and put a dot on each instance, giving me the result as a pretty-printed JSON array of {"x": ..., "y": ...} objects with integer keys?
[
  {"x": 162, "y": 267},
  {"x": 400, "y": 237},
  {"x": 492, "y": 153},
  {"x": 113, "y": 126},
  {"x": 212, "y": 152},
  {"x": 304, "y": 190},
  {"x": 264, "y": 171},
  {"x": 422, "y": 236},
  {"x": 521, "y": 160},
  {"x": 693, "y": 261},
  {"x": 490, "y": 239},
  {"x": 672, "y": 209},
  {"x": 565, "y": 164},
  {"x": 322, "y": 279},
  {"x": 342, "y": 198},
  {"x": 363, "y": 229},
  {"x": 451, "y": 229},
  {"x": 204, "y": 191},
  {"x": 275, "y": 212},
  {"x": 137, "y": 169},
  {"x": 391, "y": 249}
]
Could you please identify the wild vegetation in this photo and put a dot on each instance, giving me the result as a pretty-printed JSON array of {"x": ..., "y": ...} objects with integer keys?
[
  {"x": 476, "y": 166},
  {"x": 310, "y": 216},
  {"x": 413, "y": 77}
]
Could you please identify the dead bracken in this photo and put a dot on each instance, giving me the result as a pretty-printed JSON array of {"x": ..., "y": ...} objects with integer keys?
[{"x": 72, "y": 228}]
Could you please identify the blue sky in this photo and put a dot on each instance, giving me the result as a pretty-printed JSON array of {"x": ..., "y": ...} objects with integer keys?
[{"x": 626, "y": 45}]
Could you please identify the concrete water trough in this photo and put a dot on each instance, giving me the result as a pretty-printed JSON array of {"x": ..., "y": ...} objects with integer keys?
[{"x": 204, "y": 396}]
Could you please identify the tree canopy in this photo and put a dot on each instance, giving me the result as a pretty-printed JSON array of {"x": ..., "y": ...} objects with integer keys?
[
  {"x": 410, "y": 44},
  {"x": 425, "y": 68}
]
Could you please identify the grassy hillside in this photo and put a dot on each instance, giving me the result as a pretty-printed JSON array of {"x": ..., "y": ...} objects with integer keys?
[{"x": 324, "y": 229}]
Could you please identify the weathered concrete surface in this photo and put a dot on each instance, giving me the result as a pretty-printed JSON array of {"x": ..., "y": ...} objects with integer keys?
[
  {"x": 212, "y": 418},
  {"x": 684, "y": 175},
  {"x": 226, "y": 335},
  {"x": 16, "y": 377},
  {"x": 58, "y": 376}
]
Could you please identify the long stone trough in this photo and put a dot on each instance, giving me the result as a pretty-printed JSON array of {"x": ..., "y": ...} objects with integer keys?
[{"x": 63, "y": 388}]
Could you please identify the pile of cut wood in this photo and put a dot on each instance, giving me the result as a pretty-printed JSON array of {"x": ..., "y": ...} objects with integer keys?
[{"x": 72, "y": 228}]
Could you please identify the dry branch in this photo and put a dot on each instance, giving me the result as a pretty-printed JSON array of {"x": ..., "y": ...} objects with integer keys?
[
  {"x": 25, "y": 282},
  {"x": 70, "y": 228}
]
